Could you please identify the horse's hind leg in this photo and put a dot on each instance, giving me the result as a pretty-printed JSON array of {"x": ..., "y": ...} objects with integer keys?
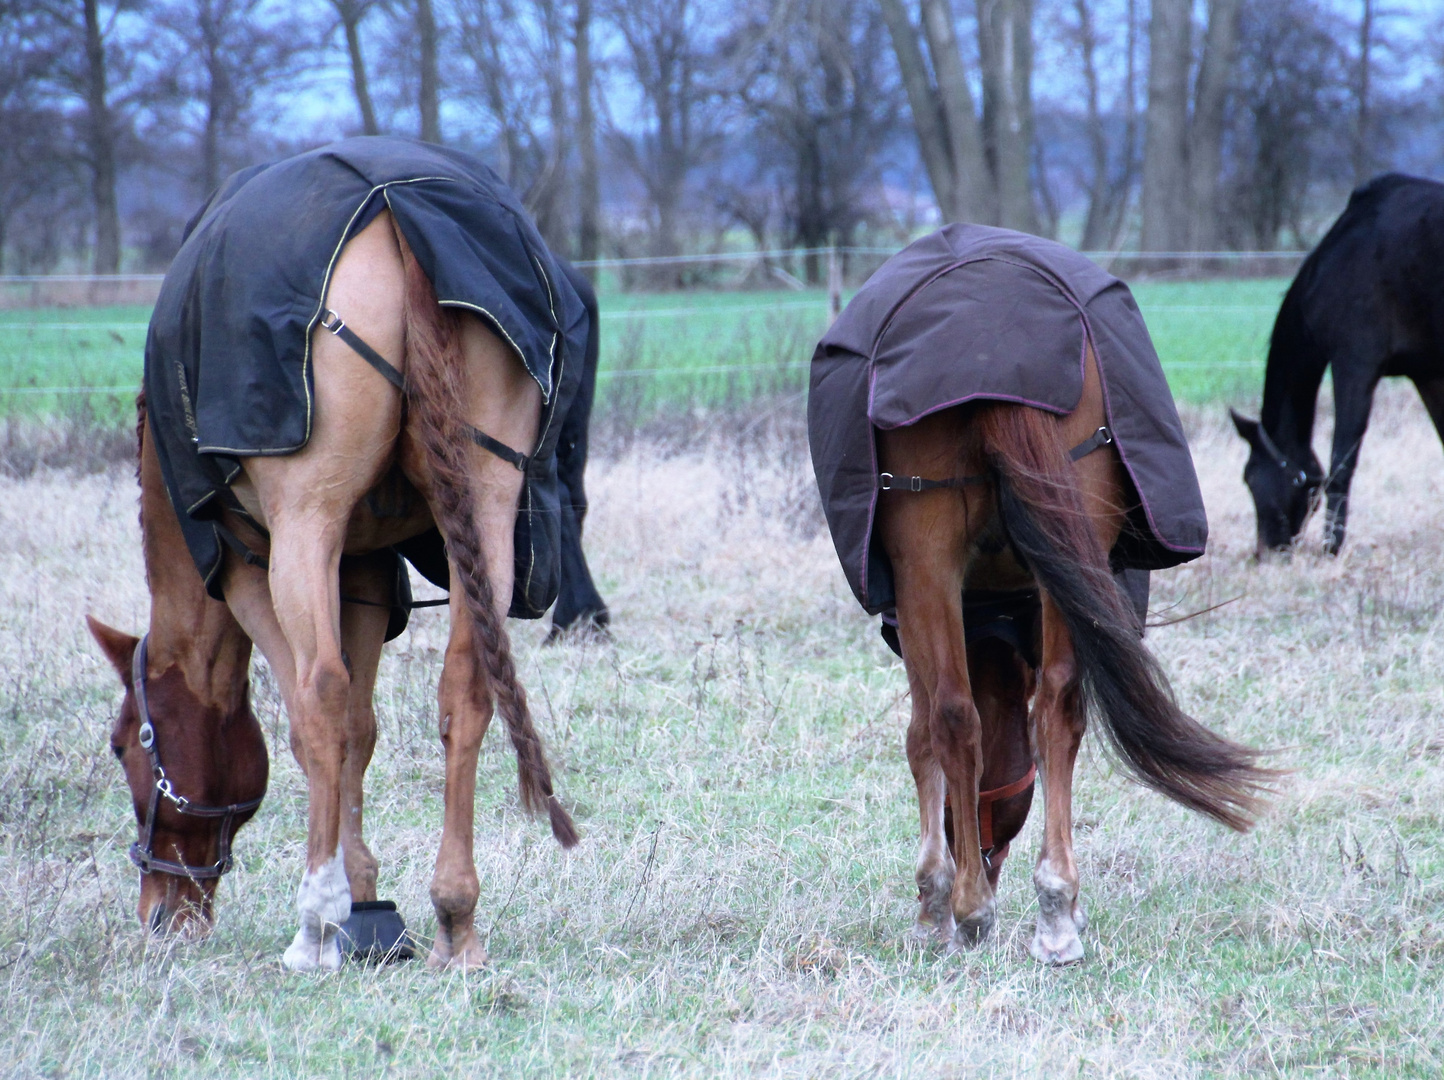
[
  {"x": 935, "y": 869},
  {"x": 927, "y": 537},
  {"x": 499, "y": 397},
  {"x": 1058, "y": 732}
]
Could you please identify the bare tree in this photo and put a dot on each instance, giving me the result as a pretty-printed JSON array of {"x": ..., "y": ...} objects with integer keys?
[
  {"x": 220, "y": 58},
  {"x": 38, "y": 169},
  {"x": 1206, "y": 130},
  {"x": 589, "y": 203},
  {"x": 1005, "y": 51},
  {"x": 1291, "y": 122},
  {"x": 941, "y": 101},
  {"x": 1112, "y": 168},
  {"x": 517, "y": 50},
  {"x": 351, "y": 12},
  {"x": 1165, "y": 148},
  {"x": 429, "y": 90},
  {"x": 813, "y": 78},
  {"x": 666, "y": 56},
  {"x": 1363, "y": 92},
  {"x": 92, "y": 64}
]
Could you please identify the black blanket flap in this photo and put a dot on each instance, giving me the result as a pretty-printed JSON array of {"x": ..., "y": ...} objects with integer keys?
[{"x": 227, "y": 362}]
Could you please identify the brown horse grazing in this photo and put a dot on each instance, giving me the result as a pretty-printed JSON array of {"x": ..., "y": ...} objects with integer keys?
[
  {"x": 970, "y": 444},
  {"x": 310, "y": 580}
]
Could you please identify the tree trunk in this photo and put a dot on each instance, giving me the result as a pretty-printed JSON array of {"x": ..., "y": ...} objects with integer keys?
[
  {"x": 351, "y": 20},
  {"x": 927, "y": 113},
  {"x": 590, "y": 211},
  {"x": 974, "y": 195},
  {"x": 1097, "y": 233},
  {"x": 1363, "y": 159},
  {"x": 430, "y": 92},
  {"x": 215, "y": 89},
  {"x": 101, "y": 137},
  {"x": 1005, "y": 48},
  {"x": 1205, "y": 139},
  {"x": 1165, "y": 146}
]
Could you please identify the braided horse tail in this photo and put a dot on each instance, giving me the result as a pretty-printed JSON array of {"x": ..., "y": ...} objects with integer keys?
[{"x": 435, "y": 369}]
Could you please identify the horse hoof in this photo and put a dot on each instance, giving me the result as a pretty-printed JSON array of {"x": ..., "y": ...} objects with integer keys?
[
  {"x": 1057, "y": 950},
  {"x": 304, "y": 954},
  {"x": 924, "y": 932},
  {"x": 447, "y": 954},
  {"x": 470, "y": 958},
  {"x": 974, "y": 930}
]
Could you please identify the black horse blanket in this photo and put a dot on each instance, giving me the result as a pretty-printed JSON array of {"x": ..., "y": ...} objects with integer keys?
[
  {"x": 975, "y": 313},
  {"x": 227, "y": 360}
]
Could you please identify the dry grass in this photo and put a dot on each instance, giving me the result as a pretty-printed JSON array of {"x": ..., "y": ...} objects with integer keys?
[{"x": 739, "y": 904}]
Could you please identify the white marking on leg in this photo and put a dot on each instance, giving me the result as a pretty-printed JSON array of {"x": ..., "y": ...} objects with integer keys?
[
  {"x": 324, "y": 901},
  {"x": 1056, "y": 940}
]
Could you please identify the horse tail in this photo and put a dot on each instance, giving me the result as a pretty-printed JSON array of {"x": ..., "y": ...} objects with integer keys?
[
  {"x": 435, "y": 371},
  {"x": 1120, "y": 681}
]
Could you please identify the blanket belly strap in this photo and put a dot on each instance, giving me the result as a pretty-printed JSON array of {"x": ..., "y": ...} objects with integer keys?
[{"x": 333, "y": 322}]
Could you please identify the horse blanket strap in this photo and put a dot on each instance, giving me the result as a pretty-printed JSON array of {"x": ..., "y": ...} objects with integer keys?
[
  {"x": 888, "y": 482},
  {"x": 236, "y": 544},
  {"x": 250, "y": 558},
  {"x": 986, "y": 799},
  {"x": 1101, "y": 437},
  {"x": 141, "y": 852},
  {"x": 332, "y": 322},
  {"x": 994, "y": 854}
]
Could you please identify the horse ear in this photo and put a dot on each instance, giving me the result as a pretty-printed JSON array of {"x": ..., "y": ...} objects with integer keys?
[
  {"x": 1245, "y": 427},
  {"x": 118, "y": 646}
]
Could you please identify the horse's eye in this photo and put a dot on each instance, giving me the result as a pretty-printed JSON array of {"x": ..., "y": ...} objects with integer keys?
[{"x": 118, "y": 751}]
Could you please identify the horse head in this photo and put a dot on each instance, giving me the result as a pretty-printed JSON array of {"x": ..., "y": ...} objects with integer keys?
[
  {"x": 197, "y": 772},
  {"x": 1285, "y": 485}
]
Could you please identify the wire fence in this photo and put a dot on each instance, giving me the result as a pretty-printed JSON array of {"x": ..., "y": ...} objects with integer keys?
[{"x": 35, "y": 337}]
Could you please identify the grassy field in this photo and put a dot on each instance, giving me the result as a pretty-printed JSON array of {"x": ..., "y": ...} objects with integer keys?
[
  {"x": 663, "y": 350},
  {"x": 740, "y": 903}
]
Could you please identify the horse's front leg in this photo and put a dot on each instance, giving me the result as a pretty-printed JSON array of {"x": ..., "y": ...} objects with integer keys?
[
  {"x": 304, "y": 563},
  {"x": 363, "y": 630},
  {"x": 1058, "y": 731},
  {"x": 1354, "y": 400}
]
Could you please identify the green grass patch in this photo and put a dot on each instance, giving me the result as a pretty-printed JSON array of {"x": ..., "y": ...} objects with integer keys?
[{"x": 661, "y": 352}]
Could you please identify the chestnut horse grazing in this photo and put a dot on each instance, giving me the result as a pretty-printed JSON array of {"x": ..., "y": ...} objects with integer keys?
[
  {"x": 994, "y": 441},
  {"x": 309, "y": 576}
]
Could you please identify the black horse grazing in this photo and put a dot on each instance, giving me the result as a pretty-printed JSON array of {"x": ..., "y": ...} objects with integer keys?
[
  {"x": 1368, "y": 301},
  {"x": 578, "y": 602}
]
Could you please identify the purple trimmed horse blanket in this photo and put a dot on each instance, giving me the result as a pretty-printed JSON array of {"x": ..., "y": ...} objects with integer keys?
[{"x": 974, "y": 313}]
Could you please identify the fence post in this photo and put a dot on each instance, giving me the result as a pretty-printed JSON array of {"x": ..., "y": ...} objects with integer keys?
[{"x": 834, "y": 284}]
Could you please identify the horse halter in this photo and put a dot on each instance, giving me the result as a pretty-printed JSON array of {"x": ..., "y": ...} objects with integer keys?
[
  {"x": 141, "y": 851},
  {"x": 1299, "y": 477}
]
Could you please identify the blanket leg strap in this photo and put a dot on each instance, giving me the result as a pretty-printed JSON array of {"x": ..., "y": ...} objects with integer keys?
[
  {"x": 888, "y": 482},
  {"x": 332, "y": 322}
]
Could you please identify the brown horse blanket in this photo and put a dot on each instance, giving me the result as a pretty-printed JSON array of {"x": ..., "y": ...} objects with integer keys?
[
  {"x": 974, "y": 313},
  {"x": 227, "y": 357}
]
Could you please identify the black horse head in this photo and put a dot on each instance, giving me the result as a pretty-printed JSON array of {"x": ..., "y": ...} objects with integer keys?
[{"x": 1285, "y": 488}]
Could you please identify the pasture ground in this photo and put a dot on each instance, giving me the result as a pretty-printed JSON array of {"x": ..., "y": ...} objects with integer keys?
[{"x": 741, "y": 901}]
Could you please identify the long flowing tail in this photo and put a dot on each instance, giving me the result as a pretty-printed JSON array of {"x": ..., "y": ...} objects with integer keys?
[
  {"x": 435, "y": 370},
  {"x": 1122, "y": 684}
]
